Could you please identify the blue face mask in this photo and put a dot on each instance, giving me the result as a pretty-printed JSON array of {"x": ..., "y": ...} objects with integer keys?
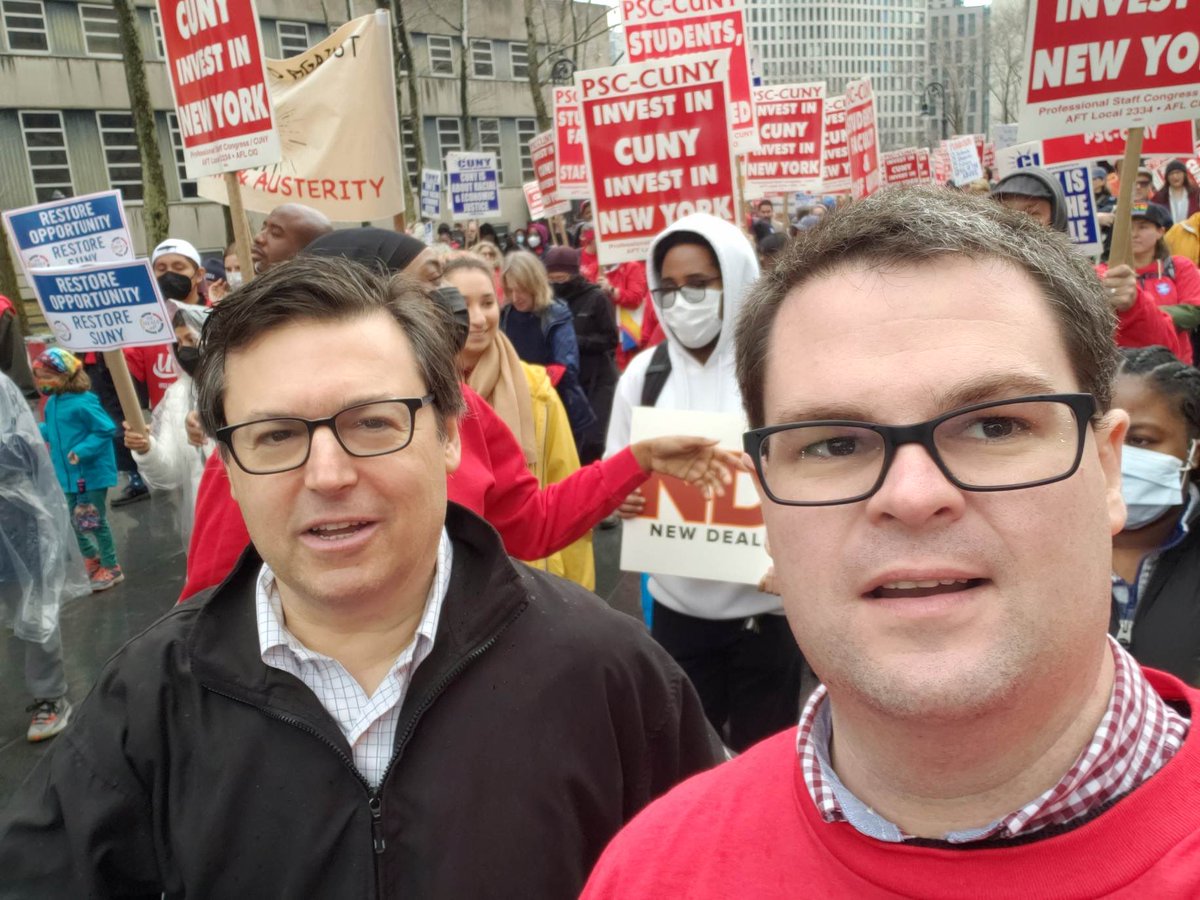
[{"x": 1151, "y": 484}]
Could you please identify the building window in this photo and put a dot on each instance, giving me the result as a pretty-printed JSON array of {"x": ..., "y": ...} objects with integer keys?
[
  {"x": 489, "y": 142},
  {"x": 526, "y": 130},
  {"x": 25, "y": 25},
  {"x": 519, "y": 56},
  {"x": 101, "y": 34},
  {"x": 187, "y": 189},
  {"x": 46, "y": 152},
  {"x": 449, "y": 137},
  {"x": 293, "y": 38},
  {"x": 481, "y": 59},
  {"x": 441, "y": 55},
  {"x": 156, "y": 24},
  {"x": 408, "y": 140},
  {"x": 121, "y": 157}
]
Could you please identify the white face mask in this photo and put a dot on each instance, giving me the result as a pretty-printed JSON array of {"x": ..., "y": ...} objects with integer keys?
[
  {"x": 535, "y": 241},
  {"x": 1151, "y": 484},
  {"x": 695, "y": 324},
  {"x": 233, "y": 279}
]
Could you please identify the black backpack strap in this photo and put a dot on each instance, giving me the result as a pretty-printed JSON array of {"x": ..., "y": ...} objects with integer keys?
[{"x": 656, "y": 375}]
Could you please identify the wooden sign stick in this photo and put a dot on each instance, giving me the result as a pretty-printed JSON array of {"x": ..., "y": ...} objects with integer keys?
[
  {"x": 241, "y": 226},
  {"x": 1121, "y": 251}
]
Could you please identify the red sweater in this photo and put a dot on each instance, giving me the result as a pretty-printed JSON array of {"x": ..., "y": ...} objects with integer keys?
[
  {"x": 1145, "y": 325},
  {"x": 154, "y": 367},
  {"x": 749, "y": 829},
  {"x": 492, "y": 480}
]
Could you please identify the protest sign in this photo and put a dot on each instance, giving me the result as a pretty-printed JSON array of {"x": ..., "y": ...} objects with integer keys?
[
  {"x": 431, "y": 193},
  {"x": 545, "y": 168},
  {"x": 679, "y": 532},
  {"x": 835, "y": 158},
  {"x": 989, "y": 158},
  {"x": 568, "y": 145},
  {"x": 1018, "y": 156},
  {"x": 474, "y": 185},
  {"x": 219, "y": 85},
  {"x": 663, "y": 29},
  {"x": 657, "y": 142},
  {"x": 71, "y": 232},
  {"x": 940, "y": 164},
  {"x": 791, "y": 129},
  {"x": 103, "y": 307},
  {"x": 909, "y": 166},
  {"x": 341, "y": 158},
  {"x": 1092, "y": 65},
  {"x": 862, "y": 139},
  {"x": 533, "y": 199},
  {"x": 965, "y": 164},
  {"x": 1172, "y": 139},
  {"x": 1004, "y": 135},
  {"x": 1082, "y": 226},
  {"x": 1193, "y": 167}
]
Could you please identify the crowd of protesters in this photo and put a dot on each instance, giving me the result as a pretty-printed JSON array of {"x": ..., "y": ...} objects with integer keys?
[{"x": 362, "y": 692}]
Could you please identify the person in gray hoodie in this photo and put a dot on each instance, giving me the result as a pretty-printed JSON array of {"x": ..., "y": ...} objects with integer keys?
[
  {"x": 731, "y": 639},
  {"x": 1034, "y": 191}
]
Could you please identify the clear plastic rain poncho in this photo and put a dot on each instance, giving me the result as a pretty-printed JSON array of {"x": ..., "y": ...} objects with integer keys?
[{"x": 40, "y": 563}]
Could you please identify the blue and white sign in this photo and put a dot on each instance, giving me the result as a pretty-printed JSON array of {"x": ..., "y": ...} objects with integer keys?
[
  {"x": 431, "y": 194},
  {"x": 72, "y": 232},
  {"x": 1018, "y": 156},
  {"x": 474, "y": 182},
  {"x": 103, "y": 307},
  {"x": 1082, "y": 226}
]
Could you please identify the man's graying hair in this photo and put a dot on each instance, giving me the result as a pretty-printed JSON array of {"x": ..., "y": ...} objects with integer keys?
[
  {"x": 326, "y": 289},
  {"x": 921, "y": 226}
]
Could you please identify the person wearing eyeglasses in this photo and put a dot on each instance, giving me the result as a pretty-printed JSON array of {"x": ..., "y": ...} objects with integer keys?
[
  {"x": 377, "y": 702},
  {"x": 929, "y": 382},
  {"x": 730, "y": 638}
]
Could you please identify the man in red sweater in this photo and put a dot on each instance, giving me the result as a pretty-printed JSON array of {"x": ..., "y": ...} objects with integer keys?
[{"x": 928, "y": 379}]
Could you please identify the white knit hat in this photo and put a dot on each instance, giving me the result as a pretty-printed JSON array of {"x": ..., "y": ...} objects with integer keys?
[{"x": 175, "y": 245}]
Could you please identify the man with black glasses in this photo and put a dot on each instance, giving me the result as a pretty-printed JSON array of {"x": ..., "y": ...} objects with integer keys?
[
  {"x": 377, "y": 702},
  {"x": 928, "y": 378}
]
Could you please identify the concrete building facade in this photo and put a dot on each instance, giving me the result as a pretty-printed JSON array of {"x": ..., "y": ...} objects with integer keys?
[{"x": 958, "y": 60}]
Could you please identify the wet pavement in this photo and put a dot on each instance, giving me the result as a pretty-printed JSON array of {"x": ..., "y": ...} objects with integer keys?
[{"x": 151, "y": 554}]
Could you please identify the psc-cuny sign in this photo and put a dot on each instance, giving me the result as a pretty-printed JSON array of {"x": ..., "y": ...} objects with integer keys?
[
  {"x": 664, "y": 29},
  {"x": 1093, "y": 65},
  {"x": 474, "y": 185},
  {"x": 431, "y": 193},
  {"x": 835, "y": 158},
  {"x": 1171, "y": 139},
  {"x": 71, "y": 232},
  {"x": 791, "y": 131},
  {"x": 679, "y": 532},
  {"x": 658, "y": 148},
  {"x": 568, "y": 145},
  {"x": 908, "y": 166},
  {"x": 218, "y": 78},
  {"x": 545, "y": 170},
  {"x": 534, "y": 200},
  {"x": 863, "y": 139},
  {"x": 103, "y": 307}
]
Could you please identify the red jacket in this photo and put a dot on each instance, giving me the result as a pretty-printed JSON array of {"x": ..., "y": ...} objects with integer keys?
[
  {"x": 1145, "y": 325},
  {"x": 154, "y": 367},
  {"x": 492, "y": 480},
  {"x": 749, "y": 828}
]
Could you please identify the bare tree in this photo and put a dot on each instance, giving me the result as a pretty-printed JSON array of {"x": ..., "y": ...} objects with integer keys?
[
  {"x": 155, "y": 213},
  {"x": 459, "y": 29},
  {"x": 558, "y": 30},
  {"x": 1007, "y": 38},
  {"x": 406, "y": 80}
]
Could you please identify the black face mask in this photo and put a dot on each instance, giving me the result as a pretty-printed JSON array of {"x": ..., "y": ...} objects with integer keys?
[
  {"x": 452, "y": 300},
  {"x": 174, "y": 286},
  {"x": 188, "y": 358}
]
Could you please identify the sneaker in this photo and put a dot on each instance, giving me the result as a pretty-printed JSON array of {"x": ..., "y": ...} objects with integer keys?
[
  {"x": 92, "y": 565},
  {"x": 106, "y": 578},
  {"x": 134, "y": 491},
  {"x": 49, "y": 718}
]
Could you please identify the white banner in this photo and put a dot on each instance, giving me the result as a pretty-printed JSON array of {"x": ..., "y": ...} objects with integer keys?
[{"x": 335, "y": 106}]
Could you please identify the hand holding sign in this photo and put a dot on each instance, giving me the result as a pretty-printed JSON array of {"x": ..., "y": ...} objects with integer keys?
[{"x": 696, "y": 460}]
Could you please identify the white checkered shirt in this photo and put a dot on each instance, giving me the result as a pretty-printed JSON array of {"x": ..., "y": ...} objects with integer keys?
[
  {"x": 1137, "y": 736},
  {"x": 369, "y": 723}
]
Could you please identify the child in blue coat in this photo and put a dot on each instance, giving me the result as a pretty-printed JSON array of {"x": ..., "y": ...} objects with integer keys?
[{"x": 80, "y": 433}]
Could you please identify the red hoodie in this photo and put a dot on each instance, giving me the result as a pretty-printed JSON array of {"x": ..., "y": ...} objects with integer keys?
[
  {"x": 749, "y": 828},
  {"x": 492, "y": 480},
  {"x": 1145, "y": 325}
]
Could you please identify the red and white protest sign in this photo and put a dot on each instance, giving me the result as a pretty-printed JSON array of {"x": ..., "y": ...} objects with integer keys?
[
  {"x": 1193, "y": 167},
  {"x": 989, "y": 158},
  {"x": 940, "y": 160},
  {"x": 568, "y": 146},
  {"x": 863, "y": 139},
  {"x": 965, "y": 164},
  {"x": 1092, "y": 65},
  {"x": 534, "y": 200},
  {"x": 661, "y": 29},
  {"x": 658, "y": 147},
  {"x": 219, "y": 82},
  {"x": 541, "y": 154},
  {"x": 908, "y": 166},
  {"x": 791, "y": 127},
  {"x": 1174, "y": 139},
  {"x": 835, "y": 158}
]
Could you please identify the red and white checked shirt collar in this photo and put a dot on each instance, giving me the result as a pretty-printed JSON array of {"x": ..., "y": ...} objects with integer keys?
[
  {"x": 369, "y": 723},
  {"x": 1136, "y": 737}
]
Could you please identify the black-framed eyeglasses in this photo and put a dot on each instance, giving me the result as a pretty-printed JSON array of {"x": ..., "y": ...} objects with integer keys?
[
  {"x": 692, "y": 292},
  {"x": 269, "y": 446},
  {"x": 1004, "y": 445}
]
